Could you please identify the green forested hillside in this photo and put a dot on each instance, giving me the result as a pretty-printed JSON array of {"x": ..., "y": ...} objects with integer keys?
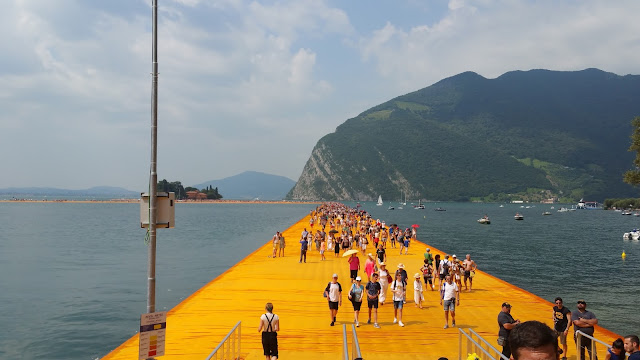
[{"x": 539, "y": 131}]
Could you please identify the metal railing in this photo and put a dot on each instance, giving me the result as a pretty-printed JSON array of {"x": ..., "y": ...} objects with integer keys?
[
  {"x": 355, "y": 344},
  {"x": 590, "y": 347},
  {"x": 229, "y": 347},
  {"x": 478, "y": 345}
]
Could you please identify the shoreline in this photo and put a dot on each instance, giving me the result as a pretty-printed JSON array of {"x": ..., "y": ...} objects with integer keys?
[{"x": 137, "y": 201}]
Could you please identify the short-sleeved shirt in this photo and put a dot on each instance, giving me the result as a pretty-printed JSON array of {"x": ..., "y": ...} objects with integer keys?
[
  {"x": 334, "y": 290},
  {"x": 449, "y": 291},
  {"x": 576, "y": 314},
  {"x": 303, "y": 244},
  {"x": 354, "y": 263},
  {"x": 397, "y": 287},
  {"x": 380, "y": 252},
  {"x": 560, "y": 318},
  {"x": 504, "y": 318},
  {"x": 373, "y": 288}
]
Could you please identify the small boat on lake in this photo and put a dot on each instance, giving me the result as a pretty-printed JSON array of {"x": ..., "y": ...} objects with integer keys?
[
  {"x": 518, "y": 216},
  {"x": 379, "y": 200},
  {"x": 484, "y": 220},
  {"x": 546, "y": 213},
  {"x": 439, "y": 209}
]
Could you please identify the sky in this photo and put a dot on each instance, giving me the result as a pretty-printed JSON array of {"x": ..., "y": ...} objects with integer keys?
[{"x": 253, "y": 85}]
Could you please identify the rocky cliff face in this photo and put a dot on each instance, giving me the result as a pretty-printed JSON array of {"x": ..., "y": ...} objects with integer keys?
[{"x": 468, "y": 137}]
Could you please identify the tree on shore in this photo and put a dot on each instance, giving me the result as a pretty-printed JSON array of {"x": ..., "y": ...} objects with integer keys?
[{"x": 632, "y": 177}]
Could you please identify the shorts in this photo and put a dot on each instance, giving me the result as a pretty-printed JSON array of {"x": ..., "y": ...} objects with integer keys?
[
  {"x": 270, "y": 343},
  {"x": 562, "y": 338},
  {"x": 427, "y": 279},
  {"x": 321, "y": 251},
  {"x": 356, "y": 305},
  {"x": 354, "y": 274},
  {"x": 373, "y": 303},
  {"x": 442, "y": 276},
  {"x": 450, "y": 305},
  {"x": 467, "y": 275},
  {"x": 281, "y": 245},
  {"x": 397, "y": 304},
  {"x": 333, "y": 305}
]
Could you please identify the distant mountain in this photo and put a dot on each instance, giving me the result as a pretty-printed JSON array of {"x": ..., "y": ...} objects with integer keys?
[
  {"x": 250, "y": 185},
  {"x": 98, "y": 191},
  {"x": 524, "y": 135}
]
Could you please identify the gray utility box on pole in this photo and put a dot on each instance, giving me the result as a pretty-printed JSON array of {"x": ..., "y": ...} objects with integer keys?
[{"x": 165, "y": 212}]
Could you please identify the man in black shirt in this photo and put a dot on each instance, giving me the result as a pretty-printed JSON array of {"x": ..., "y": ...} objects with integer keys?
[{"x": 562, "y": 323}]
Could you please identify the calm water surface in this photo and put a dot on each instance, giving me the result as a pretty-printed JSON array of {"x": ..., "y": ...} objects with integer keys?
[{"x": 73, "y": 276}]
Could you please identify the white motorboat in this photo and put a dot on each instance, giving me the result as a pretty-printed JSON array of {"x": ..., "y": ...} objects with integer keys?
[
  {"x": 484, "y": 220},
  {"x": 632, "y": 235},
  {"x": 518, "y": 216}
]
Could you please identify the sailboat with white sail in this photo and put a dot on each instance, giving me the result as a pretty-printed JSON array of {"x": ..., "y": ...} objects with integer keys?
[{"x": 379, "y": 200}]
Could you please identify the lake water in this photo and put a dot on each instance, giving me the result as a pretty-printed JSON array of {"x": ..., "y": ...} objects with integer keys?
[{"x": 73, "y": 275}]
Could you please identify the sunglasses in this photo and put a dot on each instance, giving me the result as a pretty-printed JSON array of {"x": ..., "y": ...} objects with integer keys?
[{"x": 582, "y": 302}]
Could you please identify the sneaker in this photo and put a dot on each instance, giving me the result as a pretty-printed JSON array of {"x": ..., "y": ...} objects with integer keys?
[
  {"x": 453, "y": 324},
  {"x": 400, "y": 323},
  {"x": 376, "y": 326},
  {"x": 357, "y": 324},
  {"x": 395, "y": 320},
  {"x": 369, "y": 321},
  {"x": 332, "y": 323},
  {"x": 446, "y": 326}
]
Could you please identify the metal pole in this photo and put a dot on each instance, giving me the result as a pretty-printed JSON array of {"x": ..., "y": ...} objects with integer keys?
[{"x": 153, "y": 178}]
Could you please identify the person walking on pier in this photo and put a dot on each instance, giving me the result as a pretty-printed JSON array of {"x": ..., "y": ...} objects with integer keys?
[
  {"x": 356, "y": 294},
  {"x": 281, "y": 245},
  {"x": 562, "y": 323},
  {"x": 304, "y": 245},
  {"x": 449, "y": 298},
  {"x": 427, "y": 273},
  {"x": 373, "y": 291},
  {"x": 398, "y": 288},
  {"x": 276, "y": 244},
  {"x": 506, "y": 322},
  {"x": 381, "y": 253},
  {"x": 584, "y": 320},
  {"x": 333, "y": 292},
  {"x": 470, "y": 268},
  {"x": 385, "y": 280},
  {"x": 269, "y": 325},
  {"x": 354, "y": 265}
]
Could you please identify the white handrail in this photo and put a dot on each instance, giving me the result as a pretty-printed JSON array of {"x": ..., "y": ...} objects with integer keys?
[
  {"x": 235, "y": 340},
  {"x": 477, "y": 346},
  {"x": 345, "y": 344},
  {"x": 355, "y": 346}
]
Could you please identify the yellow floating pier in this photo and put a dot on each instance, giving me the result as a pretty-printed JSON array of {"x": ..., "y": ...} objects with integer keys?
[{"x": 200, "y": 322}]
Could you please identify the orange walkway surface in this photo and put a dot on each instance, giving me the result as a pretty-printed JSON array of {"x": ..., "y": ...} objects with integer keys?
[{"x": 197, "y": 324}]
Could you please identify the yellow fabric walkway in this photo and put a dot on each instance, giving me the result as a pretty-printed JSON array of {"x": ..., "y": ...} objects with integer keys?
[{"x": 197, "y": 324}]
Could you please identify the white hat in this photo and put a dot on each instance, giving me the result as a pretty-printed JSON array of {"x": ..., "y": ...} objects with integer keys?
[
  {"x": 358, "y": 278},
  {"x": 454, "y": 255},
  {"x": 401, "y": 266},
  {"x": 335, "y": 275},
  {"x": 417, "y": 275}
]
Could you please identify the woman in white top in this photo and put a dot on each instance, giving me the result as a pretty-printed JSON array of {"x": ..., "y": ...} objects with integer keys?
[
  {"x": 355, "y": 295},
  {"x": 417, "y": 290},
  {"x": 384, "y": 282}
]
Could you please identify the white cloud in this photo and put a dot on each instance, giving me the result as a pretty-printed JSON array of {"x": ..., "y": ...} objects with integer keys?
[{"x": 252, "y": 85}]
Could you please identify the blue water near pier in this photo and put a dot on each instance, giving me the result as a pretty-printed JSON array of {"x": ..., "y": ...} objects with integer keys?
[{"x": 73, "y": 275}]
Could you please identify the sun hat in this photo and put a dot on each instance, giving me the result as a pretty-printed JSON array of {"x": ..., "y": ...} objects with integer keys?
[
  {"x": 401, "y": 266},
  {"x": 417, "y": 275},
  {"x": 454, "y": 255},
  {"x": 358, "y": 278},
  {"x": 382, "y": 263},
  {"x": 370, "y": 255}
]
